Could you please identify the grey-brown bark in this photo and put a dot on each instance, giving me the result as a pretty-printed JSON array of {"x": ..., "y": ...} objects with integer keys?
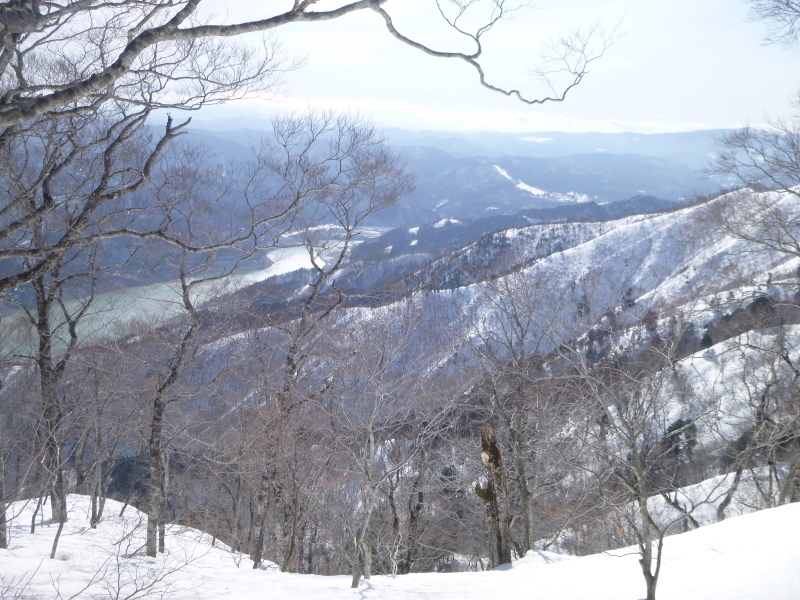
[
  {"x": 181, "y": 355},
  {"x": 155, "y": 502},
  {"x": 362, "y": 551},
  {"x": 3, "y": 499},
  {"x": 258, "y": 516},
  {"x": 495, "y": 497}
]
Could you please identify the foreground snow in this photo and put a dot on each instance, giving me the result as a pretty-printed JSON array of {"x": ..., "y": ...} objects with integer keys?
[{"x": 754, "y": 557}]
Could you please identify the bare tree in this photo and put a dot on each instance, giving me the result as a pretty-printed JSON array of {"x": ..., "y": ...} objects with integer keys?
[
  {"x": 763, "y": 159},
  {"x": 767, "y": 159},
  {"x": 382, "y": 409},
  {"x": 81, "y": 169},
  {"x": 20, "y": 455},
  {"x": 338, "y": 172},
  {"x": 509, "y": 343},
  {"x": 68, "y": 178},
  {"x": 165, "y": 47},
  {"x": 760, "y": 426},
  {"x": 65, "y": 68},
  {"x": 640, "y": 422},
  {"x": 782, "y": 18}
]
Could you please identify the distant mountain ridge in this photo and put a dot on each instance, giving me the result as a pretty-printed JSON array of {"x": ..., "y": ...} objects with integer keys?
[
  {"x": 691, "y": 148},
  {"x": 471, "y": 176}
]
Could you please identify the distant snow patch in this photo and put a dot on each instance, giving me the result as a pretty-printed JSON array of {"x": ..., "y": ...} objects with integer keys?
[
  {"x": 444, "y": 222},
  {"x": 538, "y": 140},
  {"x": 492, "y": 208},
  {"x": 571, "y": 197},
  {"x": 325, "y": 227},
  {"x": 530, "y": 189},
  {"x": 520, "y": 184},
  {"x": 413, "y": 230},
  {"x": 388, "y": 249},
  {"x": 504, "y": 173},
  {"x": 443, "y": 202},
  {"x": 413, "y": 242}
]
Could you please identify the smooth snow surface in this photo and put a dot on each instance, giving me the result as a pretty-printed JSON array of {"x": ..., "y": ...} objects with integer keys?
[
  {"x": 504, "y": 173},
  {"x": 530, "y": 189},
  {"x": 520, "y": 184},
  {"x": 751, "y": 557}
]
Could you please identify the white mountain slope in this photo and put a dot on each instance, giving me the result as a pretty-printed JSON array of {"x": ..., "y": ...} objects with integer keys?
[
  {"x": 669, "y": 256},
  {"x": 731, "y": 376},
  {"x": 674, "y": 263},
  {"x": 752, "y": 557},
  {"x": 567, "y": 198}
]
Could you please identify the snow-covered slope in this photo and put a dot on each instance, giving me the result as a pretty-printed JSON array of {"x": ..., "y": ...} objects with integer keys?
[
  {"x": 752, "y": 557},
  {"x": 680, "y": 264}
]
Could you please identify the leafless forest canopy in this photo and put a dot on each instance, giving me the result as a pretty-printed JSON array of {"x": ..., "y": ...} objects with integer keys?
[{"x": 529, "y": 389}]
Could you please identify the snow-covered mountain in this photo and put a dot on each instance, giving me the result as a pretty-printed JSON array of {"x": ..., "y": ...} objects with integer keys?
[
  {"x": 692, "y": 312},
  {"x": 684, "y": 264}
]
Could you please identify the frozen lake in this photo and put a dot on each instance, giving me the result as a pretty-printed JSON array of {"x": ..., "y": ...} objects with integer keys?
[{"x": 119, "y": 313}]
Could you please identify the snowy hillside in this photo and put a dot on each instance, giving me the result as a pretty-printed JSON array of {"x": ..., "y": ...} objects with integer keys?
[
  {"x": 745, "y": 558},
  {"x": 638, "y": 377},
  {"x": 680, "y": 265}
]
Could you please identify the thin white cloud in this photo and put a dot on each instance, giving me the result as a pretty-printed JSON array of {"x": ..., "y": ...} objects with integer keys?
[{"x": 411, "y": 116}]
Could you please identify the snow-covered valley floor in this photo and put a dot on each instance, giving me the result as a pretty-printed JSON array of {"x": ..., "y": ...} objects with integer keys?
[{"x": 754, "y": 557}]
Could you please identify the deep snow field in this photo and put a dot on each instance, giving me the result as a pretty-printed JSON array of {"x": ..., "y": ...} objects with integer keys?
[{"x": 754, "y": 557}]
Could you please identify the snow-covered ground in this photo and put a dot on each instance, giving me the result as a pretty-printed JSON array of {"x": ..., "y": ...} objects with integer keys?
[{"x": 751, "y": 557}]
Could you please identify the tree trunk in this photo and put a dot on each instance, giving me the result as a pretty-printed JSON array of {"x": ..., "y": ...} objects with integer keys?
[
  {"x": 99, "y": 484},
  {"x": 49, "y": 375},
  {"x": 3, "y": 503},
  {"x": 156, "y": 481},
  {"x": 362, "y": 560},
  {"x": 80, "y": 464},
  {"x": 729, "y": 494},
  {"x": 236, "y": 530},
  {"x": 4, "y": 533},
  {"x": 646, "y": 561},
  {"x": 94, "y": 519},
  {"x": 287, "y": 518},
  {"x": 58, "y": 536},
  {"x": 257, "y": 520},
  {"x": 162, "y": 525},
  {"x": 35, "y": 514},
  {"x": 416, "y": 502},
  {"x": 650, "y": 559},
  {"x": 524, "y": 503},
  {"x": 52, "y": 452},
  {"x": 495, "y": 496},
  {"x": 515, "y": 427}
]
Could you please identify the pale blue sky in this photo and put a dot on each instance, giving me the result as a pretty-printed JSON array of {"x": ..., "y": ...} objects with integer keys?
[{"x": 681, "y": 65}]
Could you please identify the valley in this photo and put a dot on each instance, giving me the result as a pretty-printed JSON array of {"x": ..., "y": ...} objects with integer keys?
[{"x": 408, "y": 299}]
